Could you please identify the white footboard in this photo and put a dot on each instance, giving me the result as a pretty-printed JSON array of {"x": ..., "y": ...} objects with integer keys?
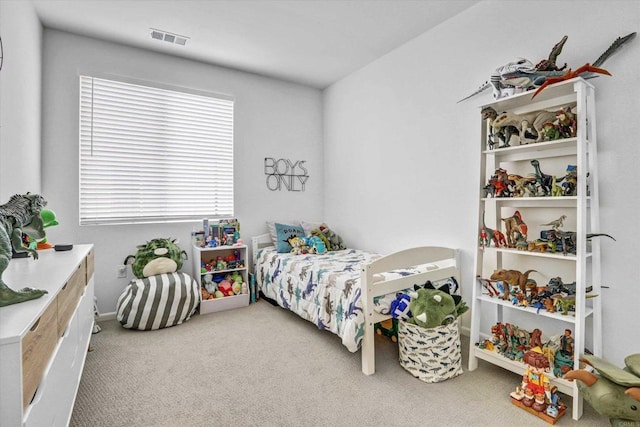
[{"x": 447, "y": 263}]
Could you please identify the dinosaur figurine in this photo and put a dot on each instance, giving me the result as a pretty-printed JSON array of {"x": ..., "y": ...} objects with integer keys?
[
  {"x": 500, "y": 134},
  {"x": 523, "y": 122},
  {"x": 615, "y": 393},
  {"x": 521, "y": 74},
  {"x": 513, "y": 278},
  {"x": 20, "y": 215},
  {"x": 557, "y": 223},
  {"x": 515, "y": 227},
  {"x": 543, "y": 179}
]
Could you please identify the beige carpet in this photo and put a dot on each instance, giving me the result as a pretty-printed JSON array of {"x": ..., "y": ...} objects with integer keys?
[{"x": 263, "y": 366}]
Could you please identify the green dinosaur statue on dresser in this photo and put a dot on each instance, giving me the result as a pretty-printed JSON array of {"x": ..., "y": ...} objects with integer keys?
[{"x": 20, "y": 215}]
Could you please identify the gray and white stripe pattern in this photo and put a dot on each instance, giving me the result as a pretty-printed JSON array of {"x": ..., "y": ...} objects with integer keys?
[{"x": 158, "y": 301}]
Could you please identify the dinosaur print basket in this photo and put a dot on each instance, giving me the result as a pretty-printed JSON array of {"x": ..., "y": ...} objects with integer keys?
[{"x": 430, "y": 354}]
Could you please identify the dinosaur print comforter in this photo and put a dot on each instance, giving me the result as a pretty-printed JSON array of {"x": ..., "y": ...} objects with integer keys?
[{"x": 323, "y": 289}]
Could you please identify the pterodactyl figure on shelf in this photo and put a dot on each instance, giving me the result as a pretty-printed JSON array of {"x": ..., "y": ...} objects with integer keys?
[{"x": 522, "y": 75}]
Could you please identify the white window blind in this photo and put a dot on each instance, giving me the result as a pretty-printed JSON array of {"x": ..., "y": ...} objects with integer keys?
[{"x": 149, "y": 154}]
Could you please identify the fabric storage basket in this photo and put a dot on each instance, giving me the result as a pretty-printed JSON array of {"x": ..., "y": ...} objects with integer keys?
[{"x": 430, "y": 354}]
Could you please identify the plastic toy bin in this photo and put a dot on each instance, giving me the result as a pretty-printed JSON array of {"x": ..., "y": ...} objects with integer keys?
[{"x": 225, "y": 303}]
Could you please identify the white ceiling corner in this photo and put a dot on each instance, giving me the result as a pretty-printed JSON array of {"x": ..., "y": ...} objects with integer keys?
[{"x": 312, "y": 42}]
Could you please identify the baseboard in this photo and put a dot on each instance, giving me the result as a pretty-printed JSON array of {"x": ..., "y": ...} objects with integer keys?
[{"x": 106, "y": 316}]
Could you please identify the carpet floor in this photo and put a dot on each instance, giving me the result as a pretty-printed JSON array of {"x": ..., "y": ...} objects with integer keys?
[{"x": 264, "y": 366}]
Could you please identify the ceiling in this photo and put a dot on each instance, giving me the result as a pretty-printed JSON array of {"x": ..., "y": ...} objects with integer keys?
[{"x": 312, "y": 42}]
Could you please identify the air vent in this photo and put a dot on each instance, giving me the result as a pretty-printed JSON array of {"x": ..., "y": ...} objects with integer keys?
[{"x": 168, "y": 37}]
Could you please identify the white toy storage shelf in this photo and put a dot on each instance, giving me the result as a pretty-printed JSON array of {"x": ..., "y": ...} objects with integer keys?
[
  {"x": 582, "y": 214},
  {"x": 209, "y": 256}
]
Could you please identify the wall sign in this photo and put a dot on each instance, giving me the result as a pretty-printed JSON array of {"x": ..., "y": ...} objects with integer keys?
[{"x": 285, "y": 174}]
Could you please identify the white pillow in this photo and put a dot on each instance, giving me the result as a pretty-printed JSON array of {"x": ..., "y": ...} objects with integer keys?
[
  {"x": 271, "y": 225},
  {"x": 310, "y": 225}
]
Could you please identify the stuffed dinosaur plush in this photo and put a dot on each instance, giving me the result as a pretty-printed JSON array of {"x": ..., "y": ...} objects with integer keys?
[
  {"x": 615, "y": 393},
  {"x": 335, "y": 241},
  {"x": 316, "y": 232},
  {"x": 156, "y": 257},
  {"x": 316, "y": 245},
  {"x": 431, "y": 308}
]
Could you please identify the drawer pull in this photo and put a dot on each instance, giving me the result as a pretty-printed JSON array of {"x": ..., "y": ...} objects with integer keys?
[{"x": 35, "y": 325}]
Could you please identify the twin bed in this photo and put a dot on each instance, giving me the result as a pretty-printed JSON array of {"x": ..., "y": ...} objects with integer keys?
[{"x": 344, "y": 291}]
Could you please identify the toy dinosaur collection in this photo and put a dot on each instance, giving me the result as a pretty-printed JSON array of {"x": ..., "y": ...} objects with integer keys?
[
  {"x": 537, "y": 184},
  {"x": 536, "y": 126},
  {"x": 20, "y": 215},
  {"x": 521, "y": 75}
]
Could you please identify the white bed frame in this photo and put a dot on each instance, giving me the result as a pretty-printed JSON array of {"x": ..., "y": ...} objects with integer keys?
[{"x": 446, "y": 258}]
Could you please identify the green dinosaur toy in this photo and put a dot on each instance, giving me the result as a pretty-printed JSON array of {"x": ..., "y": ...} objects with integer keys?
[
  {"x": 615, "y": 392},
  {"x": 431, "y": 308},
  {"x": 335, "y": 241},
  {"x": 20, "y": 215},
  {"x": 156, "y": 257}
]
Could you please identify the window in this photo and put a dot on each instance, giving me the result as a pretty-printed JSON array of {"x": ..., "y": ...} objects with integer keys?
[{"x": 149, "y": 154}]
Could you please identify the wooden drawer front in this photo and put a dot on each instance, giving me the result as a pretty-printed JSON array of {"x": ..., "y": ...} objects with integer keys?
[
  {"x": 51, "y": 400},
  {"x": 38, "y": 346},
  {"x": 90, "y": 267},
  {"x": 69, "y": 296}
]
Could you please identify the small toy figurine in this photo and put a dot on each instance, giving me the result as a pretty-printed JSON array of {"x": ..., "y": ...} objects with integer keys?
[
  {"x": 542, "y": 178},
  {"x": 557, "y": 224},
  {"x": 535, "y": 393},
  {"x": 515, "y": 228},
  {"x": 220, "y": 264},
  {"x": 567, "y": 123},
  {"x": 570, "y": 183},
  {"x": 513, "y": 278},
  {"x": 210, "y": 242},
  {"x": 566, "y": 343}
]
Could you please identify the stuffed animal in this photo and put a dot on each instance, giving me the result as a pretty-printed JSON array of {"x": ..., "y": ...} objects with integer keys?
[
  {"x": 431, "y": 308},
  {"x": 209, "y": 284},
  {"x": 400, "y": 307},
  {"x": 156, "y": 257},
  {"x": 614, "y": 392},
  {"x": 316, "y": 245},
  {"x": 298, "y": 246},
  {"x": 335, "y": 241},
  {"x": 318, "y": 232}
]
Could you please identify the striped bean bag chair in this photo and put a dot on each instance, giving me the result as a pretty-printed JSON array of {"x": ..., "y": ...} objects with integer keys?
[{"x": 158, "y": 301}]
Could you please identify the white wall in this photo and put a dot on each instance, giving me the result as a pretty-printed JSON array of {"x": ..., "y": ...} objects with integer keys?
[
  {"x": 411, "y": 152},
  {"x": 272, "y": 119},
  {"x": 20, "y": 95}
]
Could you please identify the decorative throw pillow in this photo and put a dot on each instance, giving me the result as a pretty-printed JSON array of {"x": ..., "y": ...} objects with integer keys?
[
  {"x": 271, "y": 226},
  {"x": 284, "y": 232}
]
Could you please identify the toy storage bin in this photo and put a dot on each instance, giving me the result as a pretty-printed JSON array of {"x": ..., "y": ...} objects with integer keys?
[
  {"x": 430, "y": 354},
  {"x": 222, "y": 304}
]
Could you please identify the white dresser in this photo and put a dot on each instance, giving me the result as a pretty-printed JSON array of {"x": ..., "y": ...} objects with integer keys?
[{"x": 43, "y": 342}]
